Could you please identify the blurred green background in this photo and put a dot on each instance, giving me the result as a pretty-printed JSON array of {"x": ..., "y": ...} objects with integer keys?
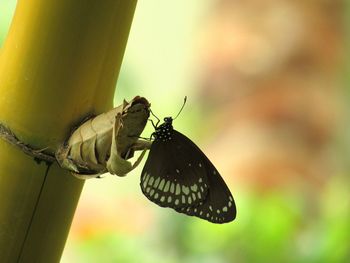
[{"x": 267, "y": 88}]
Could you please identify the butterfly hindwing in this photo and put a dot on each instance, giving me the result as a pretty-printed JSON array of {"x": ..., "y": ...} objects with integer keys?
[
  {"x": 219, "y": 206},
  {"x": 173, "y": 175}
]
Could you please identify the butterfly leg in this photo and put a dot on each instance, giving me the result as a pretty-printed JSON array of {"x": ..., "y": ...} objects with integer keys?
[
  {"x": 158, "y": 120},
  {"x": 140, "y": 145},
  {"x": 140, "y": 137},
  {"x": 154, "y": 125}
]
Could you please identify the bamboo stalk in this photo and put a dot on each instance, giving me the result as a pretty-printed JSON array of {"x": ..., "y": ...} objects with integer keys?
[{"x": 60, "y": 61}]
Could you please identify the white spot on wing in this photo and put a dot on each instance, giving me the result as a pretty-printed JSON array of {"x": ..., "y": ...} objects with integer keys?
[
  {"x": 145, "y": 180},
  {"x": 156, "y": 182},
  {"x": 178, "y": 189},
  {"x": 189, "y": 200},
  {"x": 172, "y": 188},
  {"x": 151, "y": 180},
  {"x": 194, "y": 197},
  {"x": 146, "y": 176},
  {"x": 194, "y": 187},
  {"x": 186, "y": 190},
  {"x": 166, "y": 188},
  {"x": 161, "y": 184}
]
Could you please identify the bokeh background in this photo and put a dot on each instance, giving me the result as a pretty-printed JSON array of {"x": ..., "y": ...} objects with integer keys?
[{"x": 267, "y": 86}]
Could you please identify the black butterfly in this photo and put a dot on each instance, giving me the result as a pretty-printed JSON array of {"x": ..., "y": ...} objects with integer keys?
[{"x": 177, "y": 174}]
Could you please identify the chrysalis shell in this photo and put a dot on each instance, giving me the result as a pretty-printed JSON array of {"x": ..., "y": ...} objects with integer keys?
[{"x": 105, "y": 143}]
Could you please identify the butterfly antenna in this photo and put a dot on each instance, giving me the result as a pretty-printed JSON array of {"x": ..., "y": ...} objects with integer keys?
[{"x": 183, "y": 105}]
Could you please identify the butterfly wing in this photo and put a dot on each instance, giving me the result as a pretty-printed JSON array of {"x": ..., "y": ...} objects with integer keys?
[
  {"x": 177, "y": 170},
  {"x": 174, "y": 175},
  {"x": 219, "y": 205}
]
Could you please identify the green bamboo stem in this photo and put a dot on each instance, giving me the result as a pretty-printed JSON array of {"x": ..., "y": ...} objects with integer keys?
[{"x": 60, "y": 61}]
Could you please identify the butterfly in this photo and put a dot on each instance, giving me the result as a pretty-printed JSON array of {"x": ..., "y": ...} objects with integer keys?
[{"x": 177, "y": 174}]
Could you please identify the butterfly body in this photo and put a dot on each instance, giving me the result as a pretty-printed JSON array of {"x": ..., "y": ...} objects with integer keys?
[{"x": 177, "y": 174}]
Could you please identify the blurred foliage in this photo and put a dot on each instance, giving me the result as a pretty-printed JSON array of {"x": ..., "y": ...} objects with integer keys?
[
  {"x": 6, "y": 8},
  {"x": 266, "y": 103}
]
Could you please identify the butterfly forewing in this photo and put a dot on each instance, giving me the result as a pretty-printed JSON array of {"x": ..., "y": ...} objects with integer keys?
[{"x": 174, "y": 175}]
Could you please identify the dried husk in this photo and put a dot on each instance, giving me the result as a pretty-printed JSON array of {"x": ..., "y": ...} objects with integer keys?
[{"x": 105, "y": 143}]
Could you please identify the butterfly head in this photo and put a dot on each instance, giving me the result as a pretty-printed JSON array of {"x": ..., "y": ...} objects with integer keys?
[
  {"x": 168, "y": 120},
  {"x": 164, "y": 131}
]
